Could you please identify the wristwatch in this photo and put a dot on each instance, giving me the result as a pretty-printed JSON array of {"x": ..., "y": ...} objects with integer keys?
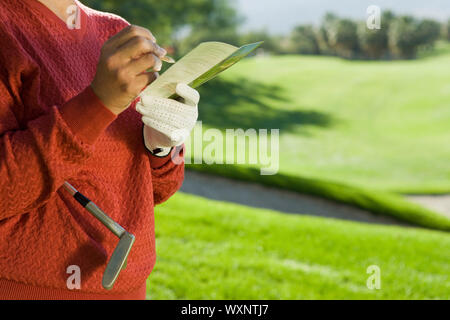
[{"x": 161, "y": 152}]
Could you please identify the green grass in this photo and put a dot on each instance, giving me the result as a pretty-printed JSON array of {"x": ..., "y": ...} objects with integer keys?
[
  {"x": 213, "y": 250},
  {"x": 355, "y": 132},
  {"x": 377, "y": 202},
  {"x": 440, "y": 48},
  {"x": 375, "y": 125}
]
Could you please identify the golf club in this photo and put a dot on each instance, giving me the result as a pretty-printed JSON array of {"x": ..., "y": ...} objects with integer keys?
[{"x": 119, "y": 257}]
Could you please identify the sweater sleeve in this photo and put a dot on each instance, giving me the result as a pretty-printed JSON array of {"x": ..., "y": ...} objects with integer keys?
[
  {"x": 37, "y": 159},
  {"x": 39, "y": 152},
  {"x": 167, "y": 174}
]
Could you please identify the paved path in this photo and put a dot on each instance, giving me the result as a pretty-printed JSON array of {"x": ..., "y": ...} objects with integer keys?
[
  {"x": 255, "y": 195},
  {"x": 437, "y": 203}
]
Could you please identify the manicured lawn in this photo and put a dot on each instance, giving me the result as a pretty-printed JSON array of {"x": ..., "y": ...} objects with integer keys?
[
  {"x": 214, "y": 250},
  {"x": 375, "y": 201},
  {"x": 377, "y": 125}
]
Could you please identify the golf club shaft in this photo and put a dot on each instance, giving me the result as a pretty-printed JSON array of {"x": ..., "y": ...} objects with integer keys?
[{"x": 90, "y": 206}]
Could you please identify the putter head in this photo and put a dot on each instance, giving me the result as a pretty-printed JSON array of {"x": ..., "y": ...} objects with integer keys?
[{"x": 117, "y": 260}]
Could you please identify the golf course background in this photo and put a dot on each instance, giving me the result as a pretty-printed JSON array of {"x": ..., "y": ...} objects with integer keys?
[
  {"x": 215, "y": 250},
  {"x": 359, "y": 132},
  {"x": 367, "y": 131},
  {"x": 381, "y": 125}
]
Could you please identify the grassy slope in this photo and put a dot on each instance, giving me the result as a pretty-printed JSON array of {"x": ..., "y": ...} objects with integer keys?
[
  {"x": 377, "y": 202},
  {"x": 213, "y": 250},
  {"x": 378, "y": 125}
]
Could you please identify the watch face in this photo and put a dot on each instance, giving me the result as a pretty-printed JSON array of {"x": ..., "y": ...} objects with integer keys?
[
  {"x": 161, "y": 152},
  {"x": 157, "y": 151}
]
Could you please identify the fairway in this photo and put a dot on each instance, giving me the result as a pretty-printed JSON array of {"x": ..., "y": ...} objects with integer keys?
[
  {"x": 226, "y": 251},
  {"x": 377, "y": 125},
  {"x": 353, "y": 131}
]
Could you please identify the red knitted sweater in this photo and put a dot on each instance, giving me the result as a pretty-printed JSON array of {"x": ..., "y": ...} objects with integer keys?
[{"x": 53, "y": 128}]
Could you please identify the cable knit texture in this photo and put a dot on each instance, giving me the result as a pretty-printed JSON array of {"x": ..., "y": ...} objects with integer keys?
[{"x": 53, "y": 128}]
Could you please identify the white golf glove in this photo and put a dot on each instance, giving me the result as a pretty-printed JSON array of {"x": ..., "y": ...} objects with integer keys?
[{"x": 168, "y": 123}]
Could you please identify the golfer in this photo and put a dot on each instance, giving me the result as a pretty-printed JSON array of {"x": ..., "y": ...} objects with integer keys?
[{"x": 69, "y": 81}]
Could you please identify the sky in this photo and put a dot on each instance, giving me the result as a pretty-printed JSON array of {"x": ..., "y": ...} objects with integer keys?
[{"x": 280, "y": 16}]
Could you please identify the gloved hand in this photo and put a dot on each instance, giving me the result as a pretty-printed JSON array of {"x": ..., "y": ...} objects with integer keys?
[{"x": 167, "y": 122}]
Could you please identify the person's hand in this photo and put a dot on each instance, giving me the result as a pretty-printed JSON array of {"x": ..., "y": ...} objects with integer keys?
[
  {"x": 168, "y": 122},
  {"x": 121, "y": 71}
]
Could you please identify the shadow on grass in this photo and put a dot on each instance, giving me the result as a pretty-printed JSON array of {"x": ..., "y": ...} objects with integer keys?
[{"x": 249, "y": 104}]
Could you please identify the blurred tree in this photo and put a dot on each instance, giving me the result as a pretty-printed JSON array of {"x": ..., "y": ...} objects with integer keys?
[
  {"x": 272, "y": 44},
  {"x": 343, "y": 38},
  {"x": 304, "y": 40},
  {"x": 322, "y": 34},
  {"x": 428, "y": 31},
  {"x": 403, "y": 40},
  {"x": 447, "y": 30},
  {"x": 386, "y": 19},
  {"x": 220, "y": 24},
  {"x": 374, "y": 43},
  {"x": 166, "y": 19},
  {"x": 322, "y": 41}
]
